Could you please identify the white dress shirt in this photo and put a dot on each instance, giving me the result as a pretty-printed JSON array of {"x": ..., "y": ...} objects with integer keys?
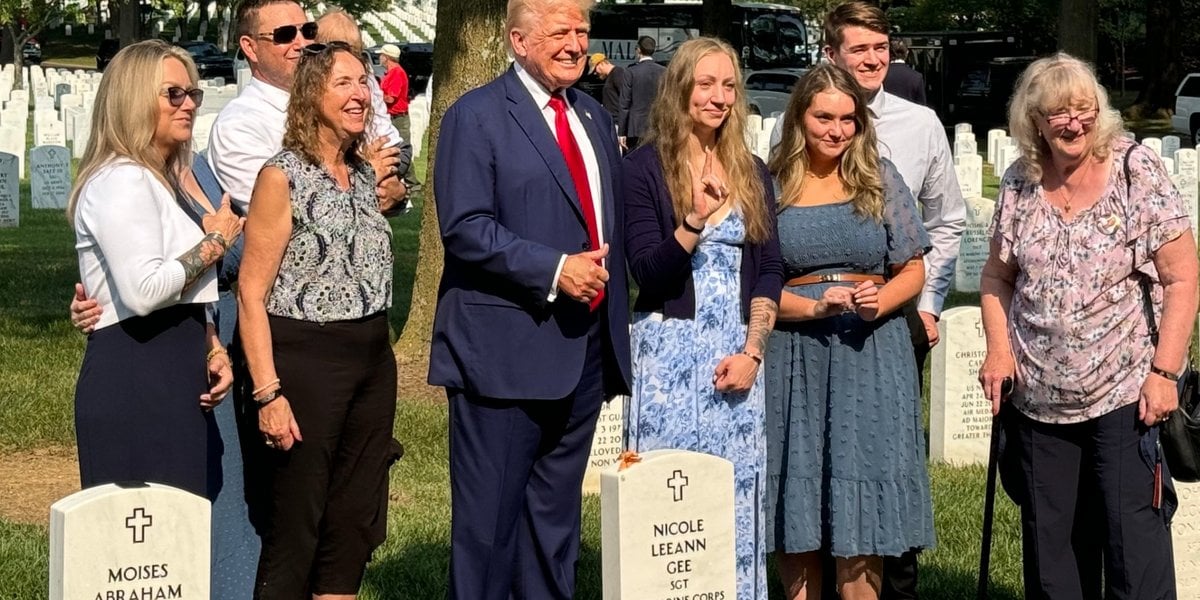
[
  {"x": 130, "y": 232},
  {"x": 249, "y": 130},
  {"x": 541, "y": 97},
  {"x": 912, "y": 137}
]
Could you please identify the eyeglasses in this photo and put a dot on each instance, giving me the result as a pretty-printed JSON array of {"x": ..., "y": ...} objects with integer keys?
[
  {"x": 1062, "y": 120},
  {"x": 175, "y": 96},
  {"x": 285, "y": 34},
  {"x": 315, "y": 49}
]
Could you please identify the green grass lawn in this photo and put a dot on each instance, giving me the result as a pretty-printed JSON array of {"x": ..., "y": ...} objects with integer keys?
[{"x": 39, "y": 359}]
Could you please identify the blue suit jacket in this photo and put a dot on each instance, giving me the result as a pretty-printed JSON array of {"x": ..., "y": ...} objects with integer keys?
[{"x": 508, "y": 211}]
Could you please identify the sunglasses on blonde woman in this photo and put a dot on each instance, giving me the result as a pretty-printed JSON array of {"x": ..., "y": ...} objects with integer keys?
[{"x": 175, "y": 96}]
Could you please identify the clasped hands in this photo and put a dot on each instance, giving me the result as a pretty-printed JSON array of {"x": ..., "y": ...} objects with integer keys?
[{"x": 862, "y": 299}]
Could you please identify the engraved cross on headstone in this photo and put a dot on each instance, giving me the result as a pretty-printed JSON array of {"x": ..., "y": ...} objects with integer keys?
[
  {"x": 677, "y": 482},
  {"x": 138, "y": 522}
]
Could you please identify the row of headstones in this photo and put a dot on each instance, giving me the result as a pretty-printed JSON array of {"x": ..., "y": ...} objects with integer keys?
[{"x": 1180, "y": 164}]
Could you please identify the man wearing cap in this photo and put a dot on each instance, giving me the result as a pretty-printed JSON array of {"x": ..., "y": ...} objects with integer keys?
[
  {"x": 395, "y": 88},
  {"x": 612, "y": 76}
]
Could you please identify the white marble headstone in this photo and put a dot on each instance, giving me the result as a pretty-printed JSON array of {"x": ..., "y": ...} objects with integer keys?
[
  {"x": 1170, "y": 145},
  {"x": 12, "y": 141},
  {"x": 961, "y": 128},
  {"x": 974, "y": 244},
  {"x": 50, "y": 176},
  {"x": 149, "y": 541},
  {"x": 994, "y": 137},
  {"x": 1185, "y": 537},
  {"x": 960, "y": 417},
  {"x": 50, "y": 133},
  {"x": 607, "y": 442},
  {"x": 964, "y": 144},
  {"x": 1153, "y": 143},
  {"x": 667, "y": 528},
  {"x": 969, "y": 170},
  {"x": 10, "y": 190},
  {"x": 83, "y": 133}
]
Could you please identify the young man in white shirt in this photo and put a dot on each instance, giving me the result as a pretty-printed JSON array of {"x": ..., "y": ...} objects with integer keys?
[{"x": 912, "y": 137}]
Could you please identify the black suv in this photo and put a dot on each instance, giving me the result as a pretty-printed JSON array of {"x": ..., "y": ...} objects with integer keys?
[
  {"x": 209, "y": 59},
  {"x": 31, "y": 52},
  {"x": 415, "y": 58},
  {"x": 105, "y": 53}
]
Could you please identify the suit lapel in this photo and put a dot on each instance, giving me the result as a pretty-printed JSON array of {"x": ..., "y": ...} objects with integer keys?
[
  {"x": 597, "y": 137},
  {"x": 526, "y": 113}
]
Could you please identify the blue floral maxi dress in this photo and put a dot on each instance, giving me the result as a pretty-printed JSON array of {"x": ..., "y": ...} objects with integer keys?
[
  {"x": 674, "y": 403},
  {"x": 846, "y": 448}
]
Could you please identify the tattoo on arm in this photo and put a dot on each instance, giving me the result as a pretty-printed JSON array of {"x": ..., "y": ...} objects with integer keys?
[
  {"x": 762, "y": 321},
  {"x": 202, "y": 256}
]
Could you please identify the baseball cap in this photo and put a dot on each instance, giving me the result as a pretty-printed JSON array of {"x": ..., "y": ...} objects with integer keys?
[
  {"x": 597, "y": 58},
  {"x": 390, "y": 51}
]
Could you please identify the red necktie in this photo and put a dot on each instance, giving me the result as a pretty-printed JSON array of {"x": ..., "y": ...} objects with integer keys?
[{"x": 570, "y": 150}]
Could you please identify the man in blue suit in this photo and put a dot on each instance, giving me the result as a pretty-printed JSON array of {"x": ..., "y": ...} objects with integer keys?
[{"x": 531, "y": 330}]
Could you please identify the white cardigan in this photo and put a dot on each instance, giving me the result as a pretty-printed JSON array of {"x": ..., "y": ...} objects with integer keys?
[{"x": 129, "y": 232}]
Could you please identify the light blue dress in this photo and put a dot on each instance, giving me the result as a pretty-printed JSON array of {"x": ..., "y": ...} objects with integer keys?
[
  {"x": 846, "y": 447},
  {"x": 674, "y": 404}
]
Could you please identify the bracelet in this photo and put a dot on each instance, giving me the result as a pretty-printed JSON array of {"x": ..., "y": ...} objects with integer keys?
[
  {"x": 1164, "y": 373},
  {"x": 688, "y": 227},
  {"x": 757, "y": 359},
  {"x": 219, "y": 238},
  {"x": 215, "y": 351},
  {"x": 265, "y": 386},
  {"x": 269, "y": 397}
]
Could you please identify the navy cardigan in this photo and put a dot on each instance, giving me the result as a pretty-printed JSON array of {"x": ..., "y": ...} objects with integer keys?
[{"x": 661, "y": 267}]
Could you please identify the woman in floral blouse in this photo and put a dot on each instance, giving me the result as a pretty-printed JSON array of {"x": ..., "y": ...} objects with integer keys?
[{"x": 1063, "y": 312}]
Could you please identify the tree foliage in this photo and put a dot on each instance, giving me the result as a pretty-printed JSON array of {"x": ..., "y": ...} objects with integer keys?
[{"x": 25, "y": 19}]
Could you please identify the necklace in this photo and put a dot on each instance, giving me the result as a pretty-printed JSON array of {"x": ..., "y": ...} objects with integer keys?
[{"x": 1071, "y": 195}]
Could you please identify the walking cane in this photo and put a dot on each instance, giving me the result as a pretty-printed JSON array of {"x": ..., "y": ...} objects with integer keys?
[{"x": 989, "y": 496}]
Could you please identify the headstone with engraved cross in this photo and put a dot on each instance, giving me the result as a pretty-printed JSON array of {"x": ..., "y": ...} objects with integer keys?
[
  {"x": 667, "y": 527},
  {"x": 129, "y": 541},
  {"x": 960, "y": 417}
]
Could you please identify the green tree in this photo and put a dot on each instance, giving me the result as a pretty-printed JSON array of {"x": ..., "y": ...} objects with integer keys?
[
  {"x": 1161, "y": 63},
  {"x": 25, "y": 19},
  {"x": 1077, "y": 24}
]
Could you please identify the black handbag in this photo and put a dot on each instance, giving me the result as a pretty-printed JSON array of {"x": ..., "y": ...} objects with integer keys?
[{"x": 1179, "y": 434}]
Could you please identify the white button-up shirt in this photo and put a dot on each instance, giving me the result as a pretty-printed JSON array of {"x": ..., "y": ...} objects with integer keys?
[
  {"x": 912, "y": 137},
  {"x": 541, "y": 97},
  {"x": 249, "y": 130}
]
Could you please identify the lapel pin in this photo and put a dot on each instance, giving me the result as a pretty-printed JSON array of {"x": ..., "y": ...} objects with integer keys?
[{"x": 588, "y": 114}]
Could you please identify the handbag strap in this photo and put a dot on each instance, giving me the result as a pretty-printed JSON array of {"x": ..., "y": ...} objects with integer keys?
[{"x": 1143, "y": 279}]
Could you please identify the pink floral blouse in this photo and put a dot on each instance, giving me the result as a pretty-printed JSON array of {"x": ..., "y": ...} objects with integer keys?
[{"x": 1076, "y": 324}]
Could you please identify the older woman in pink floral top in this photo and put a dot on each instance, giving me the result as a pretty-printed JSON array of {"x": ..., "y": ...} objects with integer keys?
[{"x": 1063, "y": 312}]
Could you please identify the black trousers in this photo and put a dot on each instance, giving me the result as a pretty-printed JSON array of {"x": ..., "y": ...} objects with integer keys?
[
  {"x": 328, "y": 495},
  {"x": 1088, "y": 527}
]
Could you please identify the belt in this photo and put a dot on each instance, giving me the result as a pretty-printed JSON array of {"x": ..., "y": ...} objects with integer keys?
[{"x": 835, "y": 278}]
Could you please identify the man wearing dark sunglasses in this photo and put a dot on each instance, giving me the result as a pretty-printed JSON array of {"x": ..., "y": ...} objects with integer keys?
[{"x": 249, "y": 130}]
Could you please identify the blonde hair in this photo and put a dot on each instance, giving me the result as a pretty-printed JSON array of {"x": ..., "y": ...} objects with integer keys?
[
  {"x": 126, "y": 112},
  {"x": 336, "y": 25},
  {"x": 1050, "y": 85},
  {"x": 520, "y": 11},
  {"x": 302, "y": 134},
  {"x": 671, "y": 125},
  {"x": 859, "y": 163}
]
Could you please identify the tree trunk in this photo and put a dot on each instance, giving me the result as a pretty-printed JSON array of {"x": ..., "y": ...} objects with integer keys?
[
  {"x": 471, "y": 50},
  {"x": 718, "y": 18},
  {"x": 1077, "y": 24},
  {"x": 1160, "y": 62},
  {"x": 128, "y": 20},
  {"x": 17, "y": 44}
]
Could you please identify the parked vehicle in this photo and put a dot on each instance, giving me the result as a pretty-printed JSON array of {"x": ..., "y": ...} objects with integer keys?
[
  {"x": 105, "y": 53},
  {"x": 969, "y": 74},
  {"x": 210, "y": 61},
  {"x": 1187, "y": 108},
  {"x": 768, "y": 91},
  {"x": 31, "y": 52}
]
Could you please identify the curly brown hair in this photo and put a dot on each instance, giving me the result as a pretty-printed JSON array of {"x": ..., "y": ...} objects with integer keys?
[{"x": 304, "y": 106}]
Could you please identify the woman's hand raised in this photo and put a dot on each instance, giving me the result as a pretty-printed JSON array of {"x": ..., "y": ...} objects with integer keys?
[
  {"x": 709, "y": 193},
  {"x": 224, "y": 223}
]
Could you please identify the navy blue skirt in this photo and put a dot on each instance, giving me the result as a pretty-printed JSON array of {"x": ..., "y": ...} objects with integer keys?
[{"x": 137, "y": 402}]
